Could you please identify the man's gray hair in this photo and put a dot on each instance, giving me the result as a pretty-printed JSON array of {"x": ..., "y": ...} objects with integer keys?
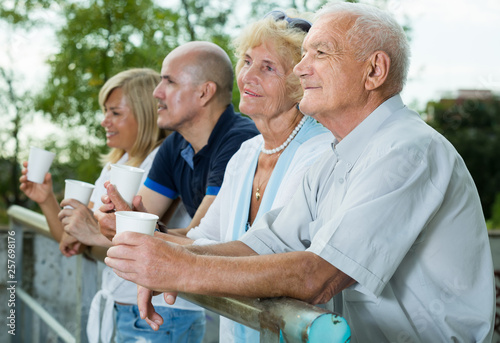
[{"x": 375, "y": 30}]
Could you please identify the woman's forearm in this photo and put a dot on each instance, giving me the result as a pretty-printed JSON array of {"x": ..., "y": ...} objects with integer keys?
[{"x": 50, "y": 209}]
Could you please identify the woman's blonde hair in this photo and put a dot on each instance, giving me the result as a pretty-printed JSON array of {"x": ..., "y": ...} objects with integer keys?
[
  {"x": 137, "y": 85},
  {"x": 286, "y": 40}
]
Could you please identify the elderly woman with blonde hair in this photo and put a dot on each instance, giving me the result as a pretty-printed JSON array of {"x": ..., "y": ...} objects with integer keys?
[{"x": 266, "y": 171}]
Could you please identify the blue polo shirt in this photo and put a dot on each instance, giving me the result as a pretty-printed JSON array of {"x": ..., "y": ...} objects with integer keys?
[{"x": 177, "y": 171}]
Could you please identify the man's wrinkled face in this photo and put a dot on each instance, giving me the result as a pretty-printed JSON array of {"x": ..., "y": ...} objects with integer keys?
[{"x": 330, "y": 76}]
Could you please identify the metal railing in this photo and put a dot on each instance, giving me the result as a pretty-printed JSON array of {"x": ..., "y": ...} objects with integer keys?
[{"x": 277, "y": 319}]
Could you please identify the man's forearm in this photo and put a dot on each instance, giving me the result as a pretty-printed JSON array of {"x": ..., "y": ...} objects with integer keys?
[{"x": 300, "y": 275}]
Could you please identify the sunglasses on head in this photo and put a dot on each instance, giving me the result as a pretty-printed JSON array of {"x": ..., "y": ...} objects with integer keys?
[{"x": 301, "y": 24}]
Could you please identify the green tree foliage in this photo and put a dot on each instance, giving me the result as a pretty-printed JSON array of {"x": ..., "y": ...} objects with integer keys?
[{"x": 473, "y": 127}]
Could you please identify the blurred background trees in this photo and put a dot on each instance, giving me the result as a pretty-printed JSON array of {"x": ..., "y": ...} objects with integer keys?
[
  {"x": 471, "y": 122},
  {"x": 95, "y": 39}
]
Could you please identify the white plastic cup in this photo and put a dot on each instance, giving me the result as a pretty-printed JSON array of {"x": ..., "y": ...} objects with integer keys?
[
  {"x": 127, "y": 181},
  {"x": 78, "y": 190},
  {"x": 141, "y": 222},
  {"x": 39, "y": 163}
]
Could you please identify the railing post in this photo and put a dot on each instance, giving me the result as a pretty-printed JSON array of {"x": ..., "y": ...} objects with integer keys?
[{"x": 86, "y": 288}]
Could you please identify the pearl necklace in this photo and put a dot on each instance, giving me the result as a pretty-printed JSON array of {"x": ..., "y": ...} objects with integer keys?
[{"x": 288, "y": 140}]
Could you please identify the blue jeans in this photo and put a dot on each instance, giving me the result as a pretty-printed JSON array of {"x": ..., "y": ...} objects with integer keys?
[{"x": 178, "y": 326}]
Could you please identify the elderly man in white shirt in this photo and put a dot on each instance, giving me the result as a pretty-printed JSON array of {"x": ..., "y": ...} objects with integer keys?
[
  {"x": 395, "y": 216},
  {"x": 389, "y": 218}
]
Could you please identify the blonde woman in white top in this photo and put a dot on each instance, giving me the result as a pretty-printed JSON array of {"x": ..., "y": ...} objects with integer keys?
[{"x": 134, "y": 137}]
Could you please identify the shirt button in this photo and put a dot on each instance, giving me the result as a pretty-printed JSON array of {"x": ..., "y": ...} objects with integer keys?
[{"x": 341, "y": 180}]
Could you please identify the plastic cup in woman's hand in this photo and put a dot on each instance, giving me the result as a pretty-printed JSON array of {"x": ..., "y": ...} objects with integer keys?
[
  {"x": 78, "y": 190},
  {"x": 39, "y": 162}
]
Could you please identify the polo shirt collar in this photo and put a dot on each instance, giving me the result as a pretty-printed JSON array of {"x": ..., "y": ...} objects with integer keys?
[{"x": 187, "y": 154}]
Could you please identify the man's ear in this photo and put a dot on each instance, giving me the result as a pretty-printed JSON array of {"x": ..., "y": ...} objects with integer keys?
[
  {"x": 207, "y": 92},
  {"x": 378, "y": 70}
]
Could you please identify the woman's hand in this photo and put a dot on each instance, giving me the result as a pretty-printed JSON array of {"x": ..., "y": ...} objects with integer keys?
[
  {"x": 70, "y": 246},
  {"x": 80, "y": 223},
  {"x": 35, "y": 191}
]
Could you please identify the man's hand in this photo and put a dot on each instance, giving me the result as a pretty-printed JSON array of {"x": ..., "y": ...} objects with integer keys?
[
  {"x": 146, "y": 308},
  {"x": 150, "y": 262},
  {"x": 112, "y": 201}
]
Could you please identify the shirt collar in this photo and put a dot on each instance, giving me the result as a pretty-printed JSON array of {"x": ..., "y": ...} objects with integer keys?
[
  {"x": 187, "y": 154},
  {"x": 351, "y": 147}
]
